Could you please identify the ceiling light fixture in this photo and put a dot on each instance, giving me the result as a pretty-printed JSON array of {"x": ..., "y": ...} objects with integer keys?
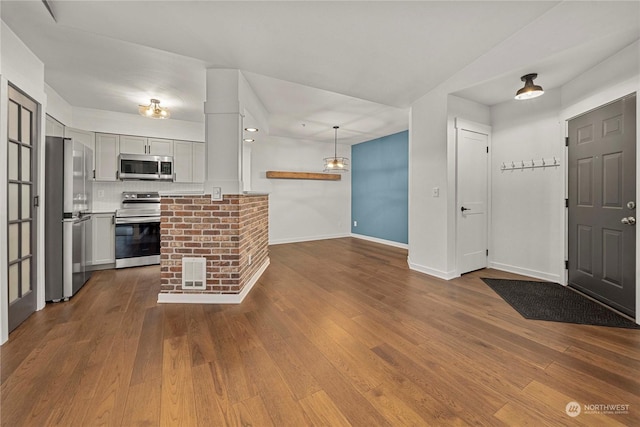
[
  {"x": 335, "y": 163},
  {"x": 154, "y": 110},
  {"x": 251, "y": 129},
  {"x": 529, "y": 90},
  {"x": 248, "y": 140}
]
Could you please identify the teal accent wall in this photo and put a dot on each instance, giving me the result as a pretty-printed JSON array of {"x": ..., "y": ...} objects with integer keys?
[{"x": 380, "y": 188}]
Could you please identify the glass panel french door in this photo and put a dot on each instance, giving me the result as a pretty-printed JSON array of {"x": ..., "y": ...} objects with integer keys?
[{"x": 22, "y": 146}]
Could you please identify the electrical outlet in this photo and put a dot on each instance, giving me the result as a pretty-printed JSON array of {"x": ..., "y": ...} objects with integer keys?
[{"x": 355, "y": 223}]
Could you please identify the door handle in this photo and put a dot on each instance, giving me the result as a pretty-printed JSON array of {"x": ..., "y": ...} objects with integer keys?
[
  {"x": 628, "y": 221},
  {"x": 462, "y": 209}
]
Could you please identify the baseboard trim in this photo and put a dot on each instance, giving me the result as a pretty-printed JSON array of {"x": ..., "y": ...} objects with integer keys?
[
  {"x": 381, "y": 241},
  {"x": 526, "y": 272},
  {"x": 307, "y": 239},
  {"x": 446, "y": 275},
  {"x": 166, "y": 298}
]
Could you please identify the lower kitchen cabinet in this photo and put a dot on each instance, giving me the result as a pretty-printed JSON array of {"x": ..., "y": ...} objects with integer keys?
[{"x": 104, "y": 236}]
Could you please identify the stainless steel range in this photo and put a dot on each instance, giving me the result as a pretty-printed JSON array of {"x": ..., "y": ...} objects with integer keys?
[{"x": 138, "y": 230}]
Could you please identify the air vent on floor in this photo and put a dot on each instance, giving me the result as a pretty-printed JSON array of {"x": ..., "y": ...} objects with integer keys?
[{"x": 194, "y": 273}]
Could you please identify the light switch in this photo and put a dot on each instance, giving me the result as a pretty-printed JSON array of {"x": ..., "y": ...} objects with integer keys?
[
  {"x": 435, "y": 192},
  {"x": 216, "y": 193}
]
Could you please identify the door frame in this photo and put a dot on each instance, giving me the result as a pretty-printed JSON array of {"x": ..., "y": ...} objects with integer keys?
[
  {"x": 462, "y": 124},
  {"x": 584, "y": 106}
]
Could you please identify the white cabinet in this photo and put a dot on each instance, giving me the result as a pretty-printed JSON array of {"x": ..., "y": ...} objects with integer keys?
[
  {"x": 104, "y": 236},
  {"x": 142, "y": 145},
  {"x": 199, "y": 162},
  {"x": 82, "y": 136},
  {"x": 133, "y": 144},
  {"x": 160, "y": 147},
  {"x": 106, "y": 156},
  {"x": 188, "y": 161},
  {"x": 53, "y": 127}
]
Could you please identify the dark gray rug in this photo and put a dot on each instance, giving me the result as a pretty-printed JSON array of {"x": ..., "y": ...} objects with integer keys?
[{"x": 555, "y": 303}]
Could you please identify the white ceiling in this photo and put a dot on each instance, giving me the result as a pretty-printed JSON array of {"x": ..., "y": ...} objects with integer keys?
[{"x": 314, "y": 65}]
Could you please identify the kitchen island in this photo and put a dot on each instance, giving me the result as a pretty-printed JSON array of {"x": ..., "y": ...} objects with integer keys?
[{"x": 230, "y": 237}]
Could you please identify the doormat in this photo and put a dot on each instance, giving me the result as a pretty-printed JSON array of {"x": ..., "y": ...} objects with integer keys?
[{"x": 555, "y": 303}]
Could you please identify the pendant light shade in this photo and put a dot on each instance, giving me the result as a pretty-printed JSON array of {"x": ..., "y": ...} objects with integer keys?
[
  {"x": 335, "y": 163},
  {"x": 529, "y": 90},
  {"x": 154, "y": 110}
]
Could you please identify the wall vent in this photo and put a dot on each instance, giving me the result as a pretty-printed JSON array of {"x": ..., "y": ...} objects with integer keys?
[{"x": 194, "y": 273}]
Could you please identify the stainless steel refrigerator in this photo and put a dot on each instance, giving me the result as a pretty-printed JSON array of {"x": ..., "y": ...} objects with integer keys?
[{"x": 68, "y": 191}]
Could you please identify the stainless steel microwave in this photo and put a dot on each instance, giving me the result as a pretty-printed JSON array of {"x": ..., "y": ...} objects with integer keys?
[{"x": 146, "y": 167}]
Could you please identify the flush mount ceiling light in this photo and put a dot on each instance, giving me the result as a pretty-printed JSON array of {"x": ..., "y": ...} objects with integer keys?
[
  {"x": 154, "y": 110},
  {"x": 248, "y": 140},
  {"x": 529, "y": 90},
  {"x": 251, "y": 129},
  {"x": 335, "y": 163}
]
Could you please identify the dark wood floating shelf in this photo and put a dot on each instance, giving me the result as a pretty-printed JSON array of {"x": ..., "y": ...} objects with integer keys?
[{"x": 304, "y": 175}]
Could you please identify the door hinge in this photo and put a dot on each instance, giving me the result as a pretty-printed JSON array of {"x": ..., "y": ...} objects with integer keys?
[
  {"x": 94, "y": 174},
  {"x": 487, "y": 149},
  {"x": 566, "y": 203},
  {"x": 566, "y": 264},
  {"x": 36, "y": 201},
  {"x": 566, "y": 141},
  {"x": 487, "y": 252}
]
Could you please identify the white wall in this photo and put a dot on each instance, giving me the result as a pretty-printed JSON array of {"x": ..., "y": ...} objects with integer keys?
[
  {"x": 527, "y": 205},
  {"x": 134, "y": 124},
  {"x": 25, "y": 71},
  {"x": 301, "y": 210},
  {"x": 429, "y": 243},
  {"x": 58, "y": 107}
]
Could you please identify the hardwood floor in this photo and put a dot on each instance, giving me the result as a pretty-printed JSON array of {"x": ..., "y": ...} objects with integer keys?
[{"x": 335, "y": 333}]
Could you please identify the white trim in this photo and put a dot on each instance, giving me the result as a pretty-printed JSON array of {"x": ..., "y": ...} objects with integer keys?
[
  {"x": 446, "y": 275},
  {"x": 527, "y": 272},
  {"x": 381, "y": 241},
  {"x": 214, "y": 298},
  {"x": 472, "y": 126},
  {"x": 307, "y": 239}
]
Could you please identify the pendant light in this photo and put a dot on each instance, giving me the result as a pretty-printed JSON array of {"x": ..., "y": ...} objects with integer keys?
[
  {"x": 154, "y": 110},
  {"x": 529, "y": 90},
  {"x": 335, "y": 163}
]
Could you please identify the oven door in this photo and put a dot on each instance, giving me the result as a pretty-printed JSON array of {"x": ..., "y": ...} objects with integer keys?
[{"x": 137, "y": 241}]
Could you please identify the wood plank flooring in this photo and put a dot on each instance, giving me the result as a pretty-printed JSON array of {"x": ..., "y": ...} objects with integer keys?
[{"x": 336, "y": 333}]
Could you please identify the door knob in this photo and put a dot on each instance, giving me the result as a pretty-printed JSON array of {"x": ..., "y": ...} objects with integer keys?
[
  {"x": 462, "y": 209},
  {"x": 629, "y": 220},
  {"x": 631, "y": 205}
]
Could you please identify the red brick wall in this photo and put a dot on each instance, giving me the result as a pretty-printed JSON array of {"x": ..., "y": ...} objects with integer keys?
[{"x": 226, "y": 232}]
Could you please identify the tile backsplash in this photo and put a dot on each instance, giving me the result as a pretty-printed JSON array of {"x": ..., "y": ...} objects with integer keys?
[{"x": 107, "y": 195}]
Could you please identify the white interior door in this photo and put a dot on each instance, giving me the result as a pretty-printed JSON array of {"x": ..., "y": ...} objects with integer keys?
[{"x": 472, "y": 229}]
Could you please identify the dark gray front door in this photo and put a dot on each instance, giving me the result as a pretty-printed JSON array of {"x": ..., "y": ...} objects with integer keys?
[{"x": 602, "y": 191}]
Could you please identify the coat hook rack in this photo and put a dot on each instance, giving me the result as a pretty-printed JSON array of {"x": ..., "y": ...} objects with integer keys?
[{"x": 530, "y": 164}]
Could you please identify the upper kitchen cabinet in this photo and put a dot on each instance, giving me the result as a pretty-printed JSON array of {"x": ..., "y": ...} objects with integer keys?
[
  {"x": 84, "y": 137},
  {"x": 142, "y": 145},
  {"x": 188, "y": 161},
  {"x": 106, "y": 156},
  {"x": 160, "y": 147},
  {"x": 53, "y": 127}
]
